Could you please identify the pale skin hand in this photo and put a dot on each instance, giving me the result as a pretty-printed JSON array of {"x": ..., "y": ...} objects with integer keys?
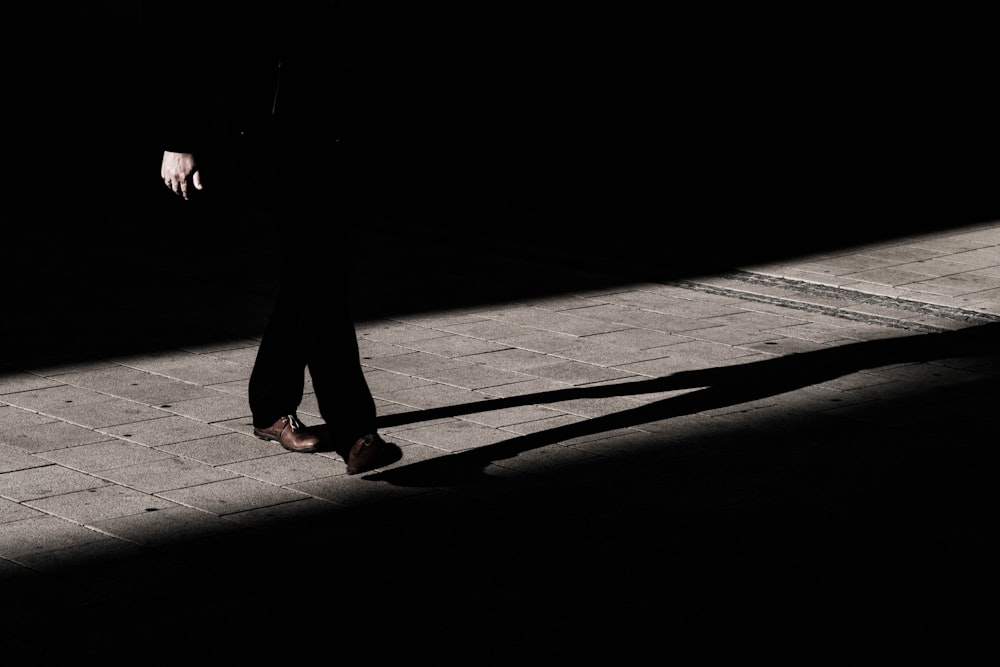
[{"x": 180, "y": 173}]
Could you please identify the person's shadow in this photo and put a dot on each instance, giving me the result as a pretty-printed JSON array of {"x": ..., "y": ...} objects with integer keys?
[{"x": 721, "y": 387}]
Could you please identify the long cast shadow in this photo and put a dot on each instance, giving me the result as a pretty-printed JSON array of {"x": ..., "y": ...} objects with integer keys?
[{"x": 722, "y": 387}]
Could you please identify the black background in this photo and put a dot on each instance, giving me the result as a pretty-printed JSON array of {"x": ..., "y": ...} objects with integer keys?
[{"x": 591, "y": 134}]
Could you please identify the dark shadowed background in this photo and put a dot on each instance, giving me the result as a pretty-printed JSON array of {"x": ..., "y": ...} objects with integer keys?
[{"x": 584, "y": 134}]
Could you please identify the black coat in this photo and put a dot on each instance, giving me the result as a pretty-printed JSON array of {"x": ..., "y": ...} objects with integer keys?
[{"x": 231, "y": 68}]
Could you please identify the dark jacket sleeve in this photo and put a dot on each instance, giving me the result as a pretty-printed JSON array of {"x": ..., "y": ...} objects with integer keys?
[
  {"x": 184, "y": 73},
  {"x": 213, "y": 73}
]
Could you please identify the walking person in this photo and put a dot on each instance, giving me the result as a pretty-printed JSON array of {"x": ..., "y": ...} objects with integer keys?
[{"x": 289, "y": 57}]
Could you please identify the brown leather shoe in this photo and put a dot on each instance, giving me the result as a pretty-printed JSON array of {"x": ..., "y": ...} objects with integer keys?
[
  {"x": 290, "y": 433},
  {"x": 369, "y": 452}
]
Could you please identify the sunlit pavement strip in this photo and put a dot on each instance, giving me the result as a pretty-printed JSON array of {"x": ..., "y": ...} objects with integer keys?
[
  {"x": 836, "y": 301},
  {"x": 109, "y": 457}
]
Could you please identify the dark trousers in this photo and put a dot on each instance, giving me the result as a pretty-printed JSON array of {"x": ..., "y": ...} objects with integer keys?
[{"x": 311, "y": 327}]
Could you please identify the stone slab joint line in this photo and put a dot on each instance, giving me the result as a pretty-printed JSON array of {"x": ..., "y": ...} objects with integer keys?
[{"x": 849, "y": 296}]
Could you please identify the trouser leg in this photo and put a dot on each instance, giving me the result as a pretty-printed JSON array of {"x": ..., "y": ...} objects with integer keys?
[{"x": 311, "y": 325}]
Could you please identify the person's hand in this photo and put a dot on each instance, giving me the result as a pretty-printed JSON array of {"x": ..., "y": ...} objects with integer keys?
[{"x": 180, "y": 173}]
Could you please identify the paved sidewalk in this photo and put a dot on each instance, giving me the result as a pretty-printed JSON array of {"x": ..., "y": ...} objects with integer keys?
[{"x": 603, "y": 457}]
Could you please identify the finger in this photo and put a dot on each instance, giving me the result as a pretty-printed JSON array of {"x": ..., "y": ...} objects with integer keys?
[{"x": 196, "y": 180}]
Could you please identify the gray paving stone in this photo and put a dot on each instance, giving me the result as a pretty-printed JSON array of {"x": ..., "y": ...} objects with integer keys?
[
  {"x": 955, "y": 285},
  {"x": 934, "y": 267},
  {"x": 12, "y": 417},
  {"x": 385, "y": 408},
  {"x": 206, "y": 371},
  {"x": 397, "y": 333},
  {"x": 288, "y": 468},
  {"x": 354, "y": 491},
  {"x": 165, "y": 475},
  {"x": 845, "y": 264},
  {"x": 14, "y": 381},
  {"x": 598, "y": 406},
  {"x": 734, "y": 334},
  {"x": 164, "y": 430},
  {"x": 558, "y": 302},
  {"x": 216, "y": 408},
  {"x": 476, "y": 376},
  {"x": 50, "y": 399},
  {"x": 453, "y": 346},
  {"x": 49, "y": 436},
  {"x": 904, "y": 254},
  {"x": 435, "y": 395},
  {"x": 549, "y": 423},
  {"x": 103, "y": 455},
  {"x": 893, "y": 276},
  {"x": 577, "y": 373},
  {"x": 235, "y": 388},
  {"x": 567, "y": 322},
  {"x": 243, "y": 356},
  {"x": 815, "y": 332},
  {"x": 861, "y": 331},
  {"x": 88, "y": 561},
  {"x": 381, "y": 381},
  {"x": 979, "y": 258},
  {"x": 166, "y": 526},
  {"x": 691, "y": 356},
  {"x": 54, "y": 366},
  {"x": 990, "y": 307},
  {"x": 491, "y": 330},
  {"x": 12, "y": 511},
  {"x": 419, "y": 364},
  {"x": 992, "y": 271},
  {"x": 157, "y": 360},
  {"x": 683, "y": 290},
  {"x": 602, "y": 354},
  {"x": 506, "y": 417},
  {"x": 42, "y": 482},
  {"x": 411, "y": 420},
  {"x": 237, "y": 494},
  {"x": 665, "y": 322},
  {"x": 44, "y": 533},
  {"x": 135, "y": 385},
  {"x": 104, "y": 413},
  {"x": 96, "y": 504},
  {"x": 755, "y": 321},
  {"x": 219, "y": 450},
  {"x": 785, "y": 345},
  {"x": 453, "y": 435},
  {"x": 684, "y": 304},
  {"x": 369, "y": 349},
  {"x": 12, "y": 459},
  {"x": 512, "y": 359},
  {"x": 265, "y": 517},
  {"x": 540, "y": 341},
  {"x": 636, "y": 339},
  {"x": 616, "y": 313},
  {"x": 523, "y": 388},
  {"x": 440, "y": 319}
]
